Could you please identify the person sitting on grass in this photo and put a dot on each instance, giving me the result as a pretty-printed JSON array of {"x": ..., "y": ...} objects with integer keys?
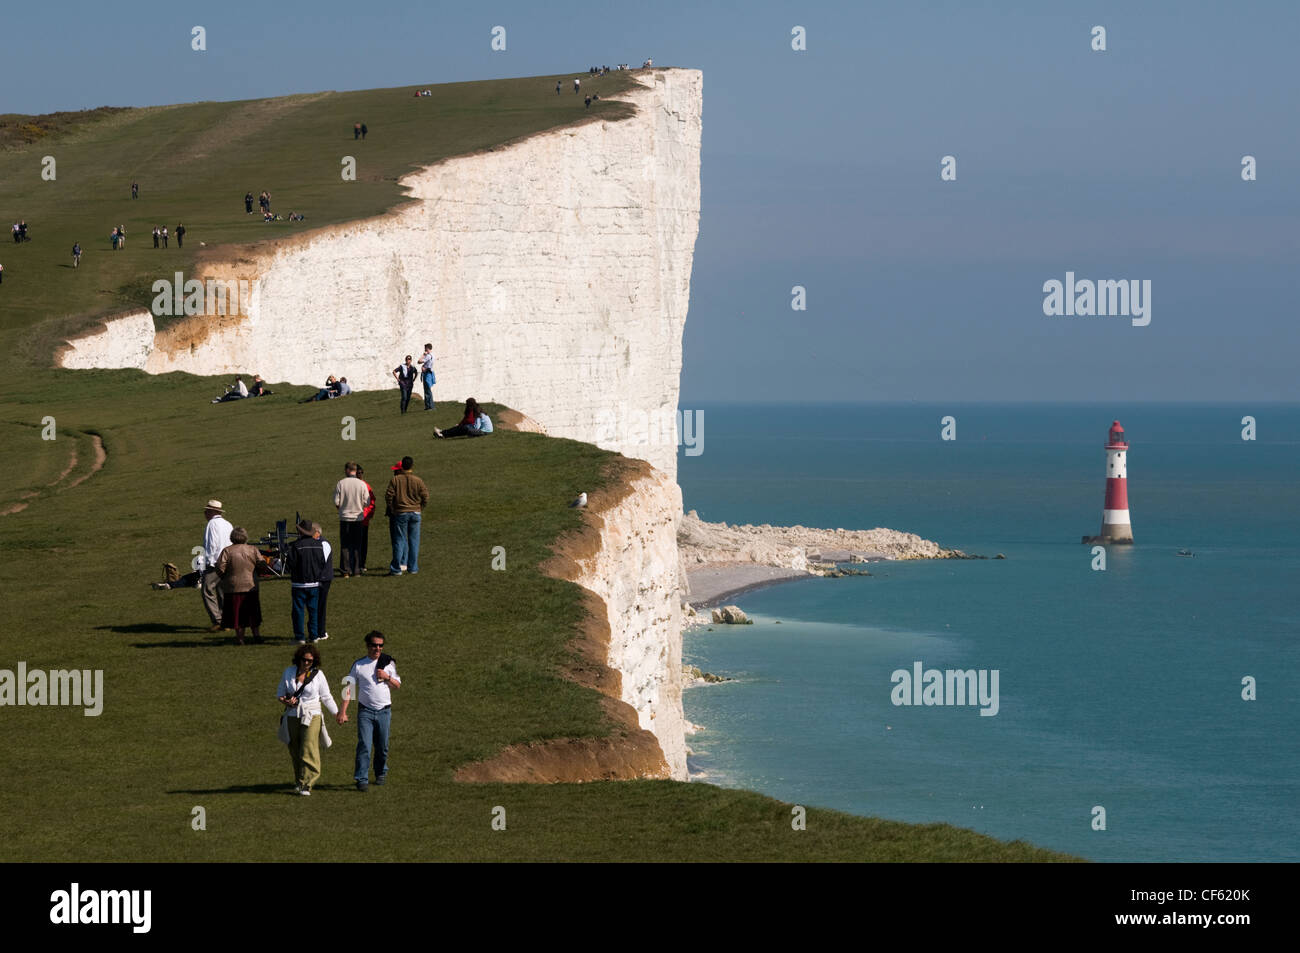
[
  {"x": 258, "y": 387},
  {"x": 475, "y": 423},
  {"x": 331, "y": 389},
  {"x": 236, "y": 391}
]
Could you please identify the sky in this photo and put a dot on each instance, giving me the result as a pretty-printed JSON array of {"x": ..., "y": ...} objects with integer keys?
[{"x": 821, "y": 169}]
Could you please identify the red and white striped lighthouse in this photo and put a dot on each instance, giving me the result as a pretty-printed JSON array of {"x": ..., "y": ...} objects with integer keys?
[{"x": 1115, "y": 525}]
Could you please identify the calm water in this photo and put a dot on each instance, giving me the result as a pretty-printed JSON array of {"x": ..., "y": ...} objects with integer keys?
[{"x": 1119, "y": 688}]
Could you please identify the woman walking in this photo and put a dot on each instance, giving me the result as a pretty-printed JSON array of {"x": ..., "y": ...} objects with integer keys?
[
  {"x": 237, "y": 566},
  {"x": 303, "y": 689}
]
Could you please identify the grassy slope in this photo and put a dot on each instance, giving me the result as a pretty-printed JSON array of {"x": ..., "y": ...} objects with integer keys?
[{"x": 189, "y": 720}]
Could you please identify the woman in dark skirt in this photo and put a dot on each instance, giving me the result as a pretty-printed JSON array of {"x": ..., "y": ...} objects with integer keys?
[{"x": 237, "y": 566}]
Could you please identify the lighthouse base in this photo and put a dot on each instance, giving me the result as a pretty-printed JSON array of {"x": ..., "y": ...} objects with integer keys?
[{"x": 1106, "y": 540}]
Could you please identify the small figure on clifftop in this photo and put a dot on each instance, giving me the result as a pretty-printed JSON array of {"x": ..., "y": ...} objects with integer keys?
[
  {"x": 180, "y": 235},
  {"x": 76, "y": 254},
  {"x": 157, "y": 233},
  {"x": 364, "y": 130},
  {"x": 356, "y": 131},
  {"x": 164, "y": 236},
  {"x": 135, "y": 190},
  {"x": 587, "y": 100},
  {"x": 577, "y": 85},
  {"x": 248, "y": 203},
  {"x": 557, "y": 87}
]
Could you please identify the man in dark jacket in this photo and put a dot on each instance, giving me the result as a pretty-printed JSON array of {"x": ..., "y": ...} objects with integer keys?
[{"x": 305, "y": 560}]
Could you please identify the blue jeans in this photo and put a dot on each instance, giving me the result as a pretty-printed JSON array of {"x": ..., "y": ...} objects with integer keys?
[
  {"x": 306, "y": 600},
  {"x": 428, "y": 381},
  {"x": 405, "y": 531},
  {"x": 372, "y": 730}
]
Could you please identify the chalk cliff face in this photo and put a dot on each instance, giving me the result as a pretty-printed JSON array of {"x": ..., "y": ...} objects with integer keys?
[
  {"x": 634, "y": 571},
  {"x": 552, "y": 276},
  {"x": 630, "y": 645}
]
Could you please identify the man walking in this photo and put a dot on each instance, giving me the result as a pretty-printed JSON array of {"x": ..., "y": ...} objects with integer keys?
[
  {"x": 426, "y": 375},
  {"x": 305, "y": 561},
  {"x": 76, "y": 254},
  {"x": 216, "y": 537},
  {"x": 351, "y": 496},
  {"x": 164, "y": 236},
  {"x": 248, "y": 203},
  {"x": 405, "y": 499},
  {"x": 405, "y": 376},
  {"x": 375, "y": 676},
  {"x": 180, "y": 235}
]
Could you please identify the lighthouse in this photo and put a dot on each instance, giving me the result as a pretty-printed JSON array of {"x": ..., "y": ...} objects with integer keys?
[{"x": 1115, "y": 525}]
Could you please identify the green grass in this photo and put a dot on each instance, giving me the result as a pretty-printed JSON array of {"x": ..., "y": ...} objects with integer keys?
[{"x": 189, "y": 719}]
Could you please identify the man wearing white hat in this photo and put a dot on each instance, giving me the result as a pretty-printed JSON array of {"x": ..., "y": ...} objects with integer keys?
[{"x": 215, "y": 538}]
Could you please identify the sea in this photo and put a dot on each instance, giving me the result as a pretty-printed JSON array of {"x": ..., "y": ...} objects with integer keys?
[{"x": 1147, "y": 708}]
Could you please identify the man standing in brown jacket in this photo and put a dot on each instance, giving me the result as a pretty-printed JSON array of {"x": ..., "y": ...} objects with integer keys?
[{"x": 405, "y": 499}]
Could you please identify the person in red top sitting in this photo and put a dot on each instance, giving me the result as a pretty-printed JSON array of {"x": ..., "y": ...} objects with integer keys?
[{"x": 475, "y": 423}]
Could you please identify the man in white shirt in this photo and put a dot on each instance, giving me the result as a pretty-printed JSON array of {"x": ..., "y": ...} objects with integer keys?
[
  {"x": 375, "y": 676},
  {"x": 427, "y": 376},
  {"x": 216, "y": 537}
]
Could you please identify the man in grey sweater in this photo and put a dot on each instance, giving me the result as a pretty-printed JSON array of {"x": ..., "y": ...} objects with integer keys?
[{"x": 351, "y": 496}]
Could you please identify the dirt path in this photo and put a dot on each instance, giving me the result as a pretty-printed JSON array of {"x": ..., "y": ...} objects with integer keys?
[{"x": 27, "y": 496}]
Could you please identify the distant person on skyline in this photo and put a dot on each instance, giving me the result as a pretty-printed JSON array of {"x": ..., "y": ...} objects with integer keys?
[
  {"x": 587, "y": 101},
  {"x": 363, "y": 131},
  {"x": 557, "y": 87},
  {"x": 577, "y": 85},
  {"x": 356, "y": 131},
  {"x": 76, "y": 254},
  {"x": 180, "y": 235}
]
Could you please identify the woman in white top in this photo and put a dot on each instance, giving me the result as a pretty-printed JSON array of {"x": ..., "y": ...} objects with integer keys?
[{"x": 303, "y": 689}]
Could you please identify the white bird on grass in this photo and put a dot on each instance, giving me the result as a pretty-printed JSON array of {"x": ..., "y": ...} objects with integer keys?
[{"x": 580, "y": 501}]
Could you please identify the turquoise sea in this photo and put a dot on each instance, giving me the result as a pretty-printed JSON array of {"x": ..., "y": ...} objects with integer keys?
[{"x": 1120, "y": 689}]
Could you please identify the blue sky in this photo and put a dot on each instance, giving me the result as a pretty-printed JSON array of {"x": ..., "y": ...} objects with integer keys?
[{"x": 821, "y": 169}]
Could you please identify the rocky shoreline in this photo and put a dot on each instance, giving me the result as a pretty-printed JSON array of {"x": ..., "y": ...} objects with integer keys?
[{"x": 719, "y": 561}]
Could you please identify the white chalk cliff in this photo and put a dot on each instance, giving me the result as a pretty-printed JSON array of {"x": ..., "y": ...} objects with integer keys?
[{"x": 552, "y": 275}]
